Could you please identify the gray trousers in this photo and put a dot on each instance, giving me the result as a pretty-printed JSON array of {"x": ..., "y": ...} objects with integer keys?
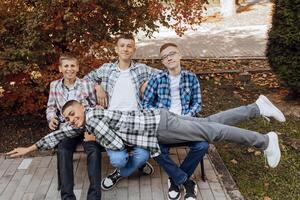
[{"x": 175, "y": 129}]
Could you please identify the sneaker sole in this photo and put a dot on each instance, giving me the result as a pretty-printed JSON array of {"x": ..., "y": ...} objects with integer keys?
[
  {"x": 175, "y": 199},
  {"x": 152, "y": 170},
  {"x": 106, "y": 189},
  {"x": 267, "y": 101},
  {"x": 274, "y": 137}
]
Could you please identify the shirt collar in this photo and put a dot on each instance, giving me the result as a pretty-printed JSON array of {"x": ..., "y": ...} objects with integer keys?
[
  {"x": 116, "y": 65},
  {"x": 76, "y": 84}
]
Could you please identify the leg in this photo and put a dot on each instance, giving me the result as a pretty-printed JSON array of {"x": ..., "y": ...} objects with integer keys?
[
  {"x": 235, "y": 115},
  {"x": 65, "y": 152},
  {"x": 178, "y": 176},
  {"x": 195, "y": 155},
  {"x": 178, "y": 129},
  {"x": 126, "y": 165},
  {"x": 118, "y": 159},
  {"x": 173, "y": 129},
  {"x": 93, "y": 151},
  {"x": 137, "y": 159}
]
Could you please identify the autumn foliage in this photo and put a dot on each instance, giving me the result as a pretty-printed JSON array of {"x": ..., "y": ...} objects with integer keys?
[{"x": 33, "y": 33}]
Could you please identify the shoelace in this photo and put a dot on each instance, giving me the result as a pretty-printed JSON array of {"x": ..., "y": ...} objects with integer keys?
[{"x": 115, "y": 176}]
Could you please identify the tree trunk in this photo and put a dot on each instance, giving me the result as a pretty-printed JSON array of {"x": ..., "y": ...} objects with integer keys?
[{"x": 228, "y": 8}]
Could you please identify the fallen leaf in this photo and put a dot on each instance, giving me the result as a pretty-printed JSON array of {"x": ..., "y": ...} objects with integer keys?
[
  {"x": 233, "y": 161},
  {"x": 257, "y": 153},
  {"x": 250, "y": 150},
  {"x": 267, "y": 198}
]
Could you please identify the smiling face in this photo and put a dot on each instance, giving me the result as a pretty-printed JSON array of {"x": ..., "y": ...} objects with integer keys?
[
  {"x": 171, "y": 58},
  {"x": 69, "y": 68},
  {"x": 125, "y": 49},
  {"x": 74, "y": 114}
]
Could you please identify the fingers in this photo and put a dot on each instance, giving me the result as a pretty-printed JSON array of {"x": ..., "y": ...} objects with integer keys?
[
  {"x": 89, "y": 137},
  {"x": 102, "y": 100},
  {"x": 105, "y": 102},
  {"x": 14, "y": 153},
  {"x": 53, "y": 124},
  {"x": 11, "y": 152}
]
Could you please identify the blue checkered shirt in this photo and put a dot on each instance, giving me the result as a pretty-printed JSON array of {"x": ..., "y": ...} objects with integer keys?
[
  {"x": 108, "y": 74},
  {"x": 113, "y": 129},
  {"x": 158, "y": 92}
]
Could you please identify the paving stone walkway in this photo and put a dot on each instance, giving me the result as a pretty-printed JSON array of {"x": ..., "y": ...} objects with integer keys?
[
  {"x": 36, "y": 178},
  {"x": 241, "y": 36}
]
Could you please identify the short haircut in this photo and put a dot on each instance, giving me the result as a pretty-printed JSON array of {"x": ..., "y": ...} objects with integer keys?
[
  {"x": 68, "y": 104},
  {"x": 128, "y": 36},
  {"x": 166, "y": 45},
  {"x": 67, "y": 57}
]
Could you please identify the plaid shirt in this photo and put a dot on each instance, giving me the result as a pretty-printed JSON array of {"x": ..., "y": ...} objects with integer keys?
[
  {"x": 84, "y": 93},
  {"x": 113, "y": 129},
  {"x": 158, "y": 93},
  {"x": 108, "y": 74}
]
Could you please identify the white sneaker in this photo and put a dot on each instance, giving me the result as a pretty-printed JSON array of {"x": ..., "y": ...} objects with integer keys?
[
  {"x": 272, "y": 152},
  {"x": 268, "y": 109}
]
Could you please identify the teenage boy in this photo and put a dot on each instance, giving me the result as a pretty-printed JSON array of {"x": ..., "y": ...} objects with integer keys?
[
  {"x": 65, "y": 89},
  {"x": 178, "y": 91},
  {"x": 145, "y": 128},
  {"x": 122, "y": 81}
]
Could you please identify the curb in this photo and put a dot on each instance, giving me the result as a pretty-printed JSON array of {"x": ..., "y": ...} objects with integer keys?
[{"x": 225, "y": 176}]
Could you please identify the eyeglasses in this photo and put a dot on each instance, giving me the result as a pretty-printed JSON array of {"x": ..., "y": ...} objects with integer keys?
[{"x": 171, "y": 54}]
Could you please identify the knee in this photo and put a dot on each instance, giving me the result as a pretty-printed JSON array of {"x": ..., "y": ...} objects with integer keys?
[
  {"x": 199, "y": 146},
  {"x": 141, "y": 155},
  {"x": 118, "y": 159},
  {"x": 92, "y": 149},
  {"x": 64, "y": 150}
]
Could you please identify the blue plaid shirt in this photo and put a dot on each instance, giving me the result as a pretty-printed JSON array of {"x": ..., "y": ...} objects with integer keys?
[{"x": 158, "y": 92}]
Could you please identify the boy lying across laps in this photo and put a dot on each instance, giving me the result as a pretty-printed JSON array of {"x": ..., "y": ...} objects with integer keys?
[{"x": 146, "y": 128}]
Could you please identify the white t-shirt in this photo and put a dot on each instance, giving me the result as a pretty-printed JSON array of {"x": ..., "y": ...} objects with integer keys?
[
  {"x": 175, "y": 95},
  {"x": 124, "y": 94}
]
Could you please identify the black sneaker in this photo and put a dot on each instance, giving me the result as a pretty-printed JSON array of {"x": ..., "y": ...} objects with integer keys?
[
  {"x": 173, "y": 191},
  {"x": 147, "y": 169},
  {"x": 190, "y": 190},
  {"x": 111, "y": 180}
]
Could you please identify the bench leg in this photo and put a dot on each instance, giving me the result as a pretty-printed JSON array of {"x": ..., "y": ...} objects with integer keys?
[{"x": 202, "y": 171}]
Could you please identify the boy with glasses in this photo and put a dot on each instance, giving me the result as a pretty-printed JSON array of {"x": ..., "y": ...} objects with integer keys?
[{"x": 178, "y": 91}]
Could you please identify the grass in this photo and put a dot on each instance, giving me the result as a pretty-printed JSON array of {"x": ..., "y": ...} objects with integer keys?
[
  {"x": 254, "y": 179},
  {"x": 247, "y": 166}
]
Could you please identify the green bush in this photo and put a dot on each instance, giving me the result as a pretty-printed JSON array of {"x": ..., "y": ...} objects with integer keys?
[{"x": 283, "y": 49}]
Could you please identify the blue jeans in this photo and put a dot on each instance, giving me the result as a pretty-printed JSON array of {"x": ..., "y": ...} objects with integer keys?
[
  {"x": 128, "y": 164},
  {"x": 180, "y": 174},
  {"x": 66, "y": 149}
]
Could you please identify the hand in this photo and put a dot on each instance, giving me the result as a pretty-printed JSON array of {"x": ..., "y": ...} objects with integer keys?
[
  {"x": 89, "y": 137},
  {"x": 20, "y": 151},
  {"x": 143, "y": 88},
  {"x": 101, "y": 96},
  {"x": 53, "y": 124}
]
